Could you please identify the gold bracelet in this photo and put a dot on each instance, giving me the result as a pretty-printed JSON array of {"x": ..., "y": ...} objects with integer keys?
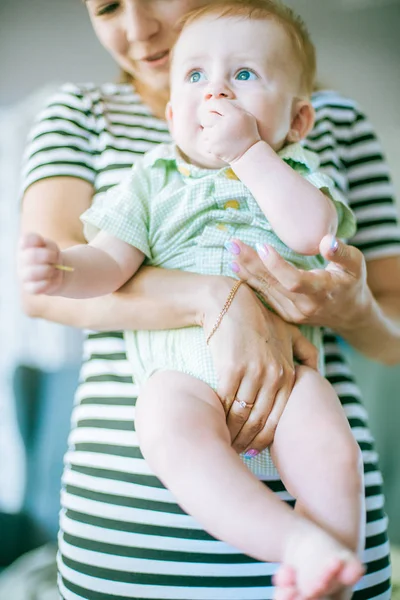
[{"x": 225, "y": 308}]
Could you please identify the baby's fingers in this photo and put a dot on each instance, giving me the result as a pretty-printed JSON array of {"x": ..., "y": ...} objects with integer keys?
[
  {"x": 31, "y": 240},
  {"x": 37, "y": 273},
  {"x": 39, "y": 256}
]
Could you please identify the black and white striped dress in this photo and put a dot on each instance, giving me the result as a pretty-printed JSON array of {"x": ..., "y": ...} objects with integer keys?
[{"x": 122, "y": 534}]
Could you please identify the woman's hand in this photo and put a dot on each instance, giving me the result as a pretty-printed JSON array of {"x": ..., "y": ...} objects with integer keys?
[
  {"x": 253, "y": 353},
  {"x": 335, "y": 297}
]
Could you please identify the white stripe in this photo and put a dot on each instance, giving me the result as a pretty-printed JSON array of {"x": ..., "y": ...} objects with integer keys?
[
  {"x": 383, "y": 211},
  {"x": 136, "y": 540},
  {"x": 362, "y": 434},
  {"x": 120, "y": 488},
  {"x": 356, "y": 411},
  {"x": 103, "y": 412},
  {"x": 104, "y": 389},
  {"x": 373, "y": 478},
  {"x": 374, "y": 579},
  {"x": 378, "y": 232},
  {"x": 377, "y": 553},
  {"x": 376, "y": 527},
  {"x": 384, "y": 252},
  {"x": 50, "y": 170},
  {"x": 97, "y": 435},
  {"x": 101, "y": 367},
  {"x": 374, "y": 502},
  {"x": 165, "y": 592},
  {"x": 97, "y": 460},
  {"x": 103, "y": 345},
  {"x": 127, "y": 514},
  {"x": 161, "y": 567},
  {"x": 371, "y": 191},
  {"x": 347, "y": 389},
  {"x": 367, "y": 170},
  {"x": 370, "y": 457},
  {"x": 337, "y": 369}
]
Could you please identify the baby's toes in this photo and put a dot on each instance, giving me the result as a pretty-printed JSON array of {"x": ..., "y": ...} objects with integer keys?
[
  {"x": 289, "y": 593},
  {"x": 285, "y": 577},
  {"x": 328, "y": 580},
  {"x": 351, "y": 572}
]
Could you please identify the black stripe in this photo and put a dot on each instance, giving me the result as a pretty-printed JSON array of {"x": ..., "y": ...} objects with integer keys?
[
  {"x": 61, "y": 133},
  {"x": 62, "y": 163},
  {"x": 361, "y": 225},
  {"x": 114, "y": 356},
  {"x": 367, "y": 181},
  {"x": 98, "y": 335},
  {"x": 141, "y": 528},
  {"x": 124, "y": 451},
  {"x": 109, "y": 377},
  {"x": 144, "y": 480},
  {"x": 130, "y": 502},
  {"x": 375, "y": 515},
  {"x": 168, "y": 580},
  {"x": 362, "y": 160},
  {"x": 109, "y": 401},
  {"x": 107, "y": 424},
  {"x": 373, "y": 591},
  {"x": 377, "y": 244},
  {"x": 376, "y": 540},
  {"x": 69, "y": 107},
  {"x": 362, "y": 203},
  {"x": 161, "y": 555},
  {"x": 64, "y": 119}
]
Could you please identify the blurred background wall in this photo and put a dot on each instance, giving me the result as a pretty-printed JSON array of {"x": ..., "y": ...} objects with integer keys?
[{"x": 46, "y": 42}]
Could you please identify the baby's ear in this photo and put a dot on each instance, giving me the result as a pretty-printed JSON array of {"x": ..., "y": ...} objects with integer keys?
[
  {"x": 302, "y": 121},
  {"x": 169, "y": 117}
]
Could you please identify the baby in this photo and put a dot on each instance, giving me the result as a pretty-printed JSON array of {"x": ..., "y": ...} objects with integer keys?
[{"x": 241, "y": 77}]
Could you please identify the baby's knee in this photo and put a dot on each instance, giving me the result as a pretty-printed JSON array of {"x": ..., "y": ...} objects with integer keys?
[{"x": 349, "y": 463}]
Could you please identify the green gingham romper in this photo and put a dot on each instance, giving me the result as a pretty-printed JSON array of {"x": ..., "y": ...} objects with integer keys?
[{"x": 180, "y": 216}]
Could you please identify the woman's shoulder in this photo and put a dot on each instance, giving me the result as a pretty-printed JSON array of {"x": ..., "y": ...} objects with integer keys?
[
  {"x": 334, "y": 105},
  {"x": 90, "y": 94}
]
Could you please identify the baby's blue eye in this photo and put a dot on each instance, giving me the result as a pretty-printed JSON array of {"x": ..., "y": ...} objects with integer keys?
[
  {"x": 245, "y": 75},
  {"x": 196, "y": 76}
]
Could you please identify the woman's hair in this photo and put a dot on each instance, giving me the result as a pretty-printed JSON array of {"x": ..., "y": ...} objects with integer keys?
[{"x": 303, "y": 48}]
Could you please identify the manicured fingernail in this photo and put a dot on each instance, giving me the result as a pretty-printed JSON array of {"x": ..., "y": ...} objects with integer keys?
[
  {"x": 232, "y": 247},
  {"x": 234, "y": 267},
  {"x": 251, "y": 453},
  {"x": 262, "y": 250},
  {"x": 334, "y": 245}
]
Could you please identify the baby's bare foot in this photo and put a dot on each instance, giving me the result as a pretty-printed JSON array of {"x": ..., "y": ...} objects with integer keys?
[{"x": 322, "y": 566}]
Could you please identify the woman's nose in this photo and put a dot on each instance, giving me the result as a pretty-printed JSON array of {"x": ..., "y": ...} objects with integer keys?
[{"x": 141, "y": 22}]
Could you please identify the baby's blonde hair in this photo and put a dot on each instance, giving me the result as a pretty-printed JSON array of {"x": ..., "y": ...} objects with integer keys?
[{"x": 303, "y": 48}]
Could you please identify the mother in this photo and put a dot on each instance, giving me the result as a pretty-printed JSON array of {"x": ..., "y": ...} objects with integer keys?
[{"x": 122, "y": 534}]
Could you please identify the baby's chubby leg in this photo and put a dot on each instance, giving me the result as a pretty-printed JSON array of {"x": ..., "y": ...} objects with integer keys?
[
  {"x": 320, "y": 464},
  {"x": 183, "y": 435}
]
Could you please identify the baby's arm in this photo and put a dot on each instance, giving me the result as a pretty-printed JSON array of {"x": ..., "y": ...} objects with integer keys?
[
  {"x": 84, "y": 271},
  {"x": 299, "y": 213}
]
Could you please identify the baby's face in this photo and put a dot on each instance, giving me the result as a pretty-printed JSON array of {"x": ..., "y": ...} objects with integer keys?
[{"x": 249, "y": 61}]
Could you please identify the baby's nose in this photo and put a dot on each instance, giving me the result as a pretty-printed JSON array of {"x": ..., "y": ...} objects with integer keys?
[{"x": 217, "y": 91}]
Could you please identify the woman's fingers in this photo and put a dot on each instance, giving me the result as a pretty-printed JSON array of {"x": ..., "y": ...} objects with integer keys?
[
  {"x": 228, "y": 383},
  {"x": 275, "y": 381},
  {"x": 304, "y": 350},
  {"x": 244, "y": 403},
  {"x": 269, "y": 413}
]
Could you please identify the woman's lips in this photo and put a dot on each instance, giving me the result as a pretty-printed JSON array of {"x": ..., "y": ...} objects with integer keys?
[{"x": 157, "y": 60}]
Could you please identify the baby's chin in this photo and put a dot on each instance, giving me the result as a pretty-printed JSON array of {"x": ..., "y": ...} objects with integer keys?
[{"x": 206, "y": 161}]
